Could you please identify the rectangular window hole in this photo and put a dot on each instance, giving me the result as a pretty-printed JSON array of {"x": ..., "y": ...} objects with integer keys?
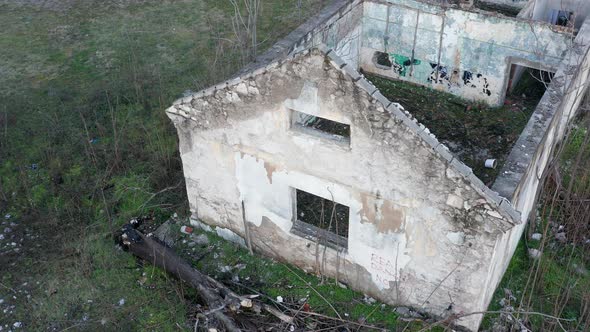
[
  {"x": 321, "y": 127},
  {"x": 320, "y": 219}
]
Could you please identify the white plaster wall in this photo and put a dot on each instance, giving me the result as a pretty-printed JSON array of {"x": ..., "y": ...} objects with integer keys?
[{"x": 418, "y": 231}]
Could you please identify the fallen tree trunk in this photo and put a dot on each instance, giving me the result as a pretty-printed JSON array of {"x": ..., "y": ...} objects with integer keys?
[
  {"x": 219, "y": 298},
  {"x": 224, "y": 304}
]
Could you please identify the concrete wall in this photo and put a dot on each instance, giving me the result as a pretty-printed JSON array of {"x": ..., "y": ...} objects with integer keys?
[
  {"x": 465, "y": 53},
  {"x": 420, "y": 235},
  {"x": 520, "y": 178}
]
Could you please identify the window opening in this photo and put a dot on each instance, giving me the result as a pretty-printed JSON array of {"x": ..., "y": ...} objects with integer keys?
[
  {"x": 321, "y": 126},
  {"x": 320, "y": 218}
]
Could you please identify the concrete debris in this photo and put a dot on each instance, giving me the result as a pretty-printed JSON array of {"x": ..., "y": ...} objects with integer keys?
[
  {"x": 407, "y": 312},
  {"x": 201, "y": 239},
  {"x": 165, "y": 234},
  {"x": 536, "y": 236},
  {"x": 561, "y": 237},
  {"x": 369, "y": 300},
  {"x": 534, "y": 253}
]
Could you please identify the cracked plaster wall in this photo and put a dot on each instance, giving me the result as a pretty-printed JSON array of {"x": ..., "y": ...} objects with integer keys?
[
  {"x": 467, "y": 53},
  {"x": 419, "y": 234}
]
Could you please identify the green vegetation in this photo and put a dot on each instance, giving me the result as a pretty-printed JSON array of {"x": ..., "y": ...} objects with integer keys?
[
  {"x": 473, "y": 131},
  {"x": 85, "y": 146}
]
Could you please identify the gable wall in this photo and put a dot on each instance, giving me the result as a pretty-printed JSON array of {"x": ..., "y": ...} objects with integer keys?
[
  {"x": 418, "y": 231},
  {"x": 466, "y": 53}
]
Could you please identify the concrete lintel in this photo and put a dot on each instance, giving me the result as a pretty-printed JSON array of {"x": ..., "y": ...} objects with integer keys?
[
  {"x": 259, "y": 71},
  {"x": 336, "y": 61},
  {"x": 461, "y": 168},
  {"x": 221, "y": 86},
  {"x": 429, "y": 138},
  {"x": 494, "y": 196},
  {"x": 364, "y": 84},
  {"x": 350, "y": 71},
  {"x": 234, "y": 81},
  {"x": 209, "y": 91},
  {"x": 444, "y": 152},
  {"x": 509, "y": 210},
  {"x": 381, "y": 98}
]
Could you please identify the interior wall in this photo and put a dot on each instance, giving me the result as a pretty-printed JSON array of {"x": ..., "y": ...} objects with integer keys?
[{"x": 465, "y": 53}]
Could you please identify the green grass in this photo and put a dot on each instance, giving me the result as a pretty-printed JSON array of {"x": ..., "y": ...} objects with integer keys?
[{"x": 82, "y": 96}]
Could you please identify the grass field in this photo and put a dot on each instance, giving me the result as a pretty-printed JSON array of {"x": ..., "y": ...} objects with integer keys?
[{"x": 85, "y": 144}]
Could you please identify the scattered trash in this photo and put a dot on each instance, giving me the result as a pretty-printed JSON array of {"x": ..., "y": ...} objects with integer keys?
[
  {"x": 17, "y": 325},
  {"x": 34, "y": 167},
  {"x": 7, "y": 230},
  {"x": 1, "y": 236},
  {"x": 280, "y": 299},
  {"x": 306, "y": 307},
  {"x": 291, "y": 328},
  {"x": 121, "y": 302},
  {"x": 536, "y": 236},
  {"x": 94, "y": 141},
  {"x": 186, "y": 229},
  {"x": 7, "y": 216},
  {"x": 491, "y": 163}
]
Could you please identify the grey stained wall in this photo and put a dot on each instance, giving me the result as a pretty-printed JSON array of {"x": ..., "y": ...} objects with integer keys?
[{"x": 465, "y": 53}]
